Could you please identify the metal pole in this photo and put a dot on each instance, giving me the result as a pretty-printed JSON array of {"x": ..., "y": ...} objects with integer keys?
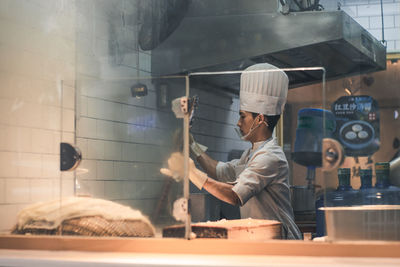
[
  {"x": 186, "y": 195},
  {"x": 383, "y": 30}
]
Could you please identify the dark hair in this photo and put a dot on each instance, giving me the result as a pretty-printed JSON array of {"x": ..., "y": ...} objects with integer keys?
[{"x": 271, "y": 120}]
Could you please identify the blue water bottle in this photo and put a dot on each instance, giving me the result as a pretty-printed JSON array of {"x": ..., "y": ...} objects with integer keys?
[
  {"x": 366, "y": 193},
  {"x": 387, "y": 194},
  {"x": 344, "y": 195}
]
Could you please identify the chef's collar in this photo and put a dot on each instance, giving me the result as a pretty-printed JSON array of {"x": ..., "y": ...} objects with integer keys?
[{"x": 256, "y": 145}]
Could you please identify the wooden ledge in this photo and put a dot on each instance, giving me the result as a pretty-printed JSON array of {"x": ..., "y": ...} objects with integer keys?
[{"x": 202, "y": 246}]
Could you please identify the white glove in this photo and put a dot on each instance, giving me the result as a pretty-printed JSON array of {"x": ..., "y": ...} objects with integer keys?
[
  {"x": 176, "y": 171},
  {"x": 196, "y": 148}
]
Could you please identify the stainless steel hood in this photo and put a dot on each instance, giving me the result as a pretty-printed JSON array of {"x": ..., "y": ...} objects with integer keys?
[{"x": 221, "y": 42}]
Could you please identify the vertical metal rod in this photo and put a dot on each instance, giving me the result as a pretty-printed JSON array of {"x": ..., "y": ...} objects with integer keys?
[
  {"x": 324, "y": 183},
  {"x": 383, "y": 31},
  {"x": 61, "y": 139},
  {"x": 323, "y": 98},
  {"x": 188, "y": 229}
]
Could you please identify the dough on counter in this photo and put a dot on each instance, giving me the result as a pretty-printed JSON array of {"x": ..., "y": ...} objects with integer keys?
[{"x": 83, "y": 216}]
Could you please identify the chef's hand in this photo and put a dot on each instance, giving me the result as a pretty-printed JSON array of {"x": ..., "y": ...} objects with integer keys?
[
  {"x": 176, "y": 171},
  {"x": 196, "y": 148}
]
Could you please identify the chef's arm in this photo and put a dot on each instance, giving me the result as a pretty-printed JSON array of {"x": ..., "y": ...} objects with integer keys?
[
  {"x": 222, "y": 191},
  {"x": 198, "y": 152},
  {"x": 208, "y": 164}
]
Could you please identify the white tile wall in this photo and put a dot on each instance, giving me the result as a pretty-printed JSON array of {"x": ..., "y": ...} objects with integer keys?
[
  {"x": 125, "y": 138},
  {"x": 95, "y": 149},
  {"x": 91, "y": 188},
  {"x": 9, "y": 215},
  {"x": 129, "y": 171},
  {"x": 19, "y": 139},
  {"x": 86, "y": 127},
  {"x": 105, "y": 130},
  {"x": 130, "y": 152},
  {"x": 37, "y": 55},
  {"x": 363, "y": 21},
  {"x": 68, "y": 120},
  {"x": 129, "y": 189},
  {"x": 2, "y": 191},
  {"x": 113, "y": 189},
  {"x": 9, "y": 162},
  {"x": 29, "y": 165},
  {"x": 68, "y": 97},
  {"x": 50, "y": 166},
  {"x": 87, "y": 170},
  {"x": 41, "y": 190},
  {"x": 17, "y": 190},
  {"x": 67, "y": 187},
  {"x": 368, "y": 14},
  {"x": 376, "y": 22},
  {"x": 113, "y": 150}
]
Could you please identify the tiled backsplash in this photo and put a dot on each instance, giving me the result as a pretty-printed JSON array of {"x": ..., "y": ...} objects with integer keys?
[
  {"x": 368, "y": 14},
  {"x": 126, "y": 140},
  {"x": 37, "y": 101}
]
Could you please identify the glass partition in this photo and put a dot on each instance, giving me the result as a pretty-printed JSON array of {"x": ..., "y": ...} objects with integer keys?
[
  {"x": 91, "y": 112},
  {"x": 37, "y": 94},
  {"x": 127, "y": 130},
  {"x": 302, "y": 134}
]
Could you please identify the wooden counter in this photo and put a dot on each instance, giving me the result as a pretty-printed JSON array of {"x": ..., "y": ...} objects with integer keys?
[{"x": 202, "y": 246}]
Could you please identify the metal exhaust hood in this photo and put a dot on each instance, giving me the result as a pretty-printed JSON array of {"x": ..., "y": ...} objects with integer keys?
[{"x": 220, "y": 42}]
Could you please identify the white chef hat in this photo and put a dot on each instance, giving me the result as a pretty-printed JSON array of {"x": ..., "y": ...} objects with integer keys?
[{"x": 263, "y": 92}]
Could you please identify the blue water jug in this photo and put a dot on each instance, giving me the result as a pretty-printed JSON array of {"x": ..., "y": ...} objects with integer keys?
[
  {"x": 386, "y": 193},
  {"x": 309, "y": 134},
  {"x": 366, "y": 193},
  {"x": 344, "y": 195}
]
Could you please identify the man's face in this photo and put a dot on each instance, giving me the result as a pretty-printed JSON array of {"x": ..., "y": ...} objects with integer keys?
[{"x": 245, "y": 122}]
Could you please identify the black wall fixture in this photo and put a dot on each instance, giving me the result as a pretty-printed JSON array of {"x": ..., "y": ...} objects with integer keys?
[{"x": 70, "y": 157}]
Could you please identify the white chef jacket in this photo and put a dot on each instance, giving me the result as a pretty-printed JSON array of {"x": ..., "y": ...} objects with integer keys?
[{"x": 260, "y": 179}]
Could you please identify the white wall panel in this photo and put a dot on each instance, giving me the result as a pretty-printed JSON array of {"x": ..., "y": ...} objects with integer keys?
[
  {"x": 376, "y": 22},
  {"x": 113, "y": 189},
  {"x": 9, "y": 218},
  {"x": 50, "y": 166},
  {"x": 41, "y": 190},
  {"x": 29, "y": 165},
  {"x": 42, "y": 141},
  {"x": 87, "y": 170},
  {"x": 2, "y": 191},
  {"x": 86, "y": 127},
  {"x": 113, "y": 150},
  {"x": 37, "y": 54},
  {"x": 17, "y": 190},
  {"x": 105, "y": 170},
  {"x": 96, "y": 149},
  {"x": 10, "y": 163}
]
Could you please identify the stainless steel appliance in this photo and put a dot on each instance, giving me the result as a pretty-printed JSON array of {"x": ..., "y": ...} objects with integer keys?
[{"x": 233, "y": 34}]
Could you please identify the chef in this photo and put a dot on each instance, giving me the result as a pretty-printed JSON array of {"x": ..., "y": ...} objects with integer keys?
[{"x": 258, "y": 181}]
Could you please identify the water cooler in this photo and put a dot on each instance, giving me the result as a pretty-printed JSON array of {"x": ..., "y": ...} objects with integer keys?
[{"x": 308, "y": 152}]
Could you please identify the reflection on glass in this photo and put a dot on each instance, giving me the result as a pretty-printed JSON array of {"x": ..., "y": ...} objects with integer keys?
[
  {"x": 371, "y": 210},
  {"x": 127, "y": 138}
]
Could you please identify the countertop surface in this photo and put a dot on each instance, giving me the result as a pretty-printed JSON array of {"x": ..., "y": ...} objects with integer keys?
[
  {"x": 90, "y": 251},
  {"x": 99, "y": 259}
]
